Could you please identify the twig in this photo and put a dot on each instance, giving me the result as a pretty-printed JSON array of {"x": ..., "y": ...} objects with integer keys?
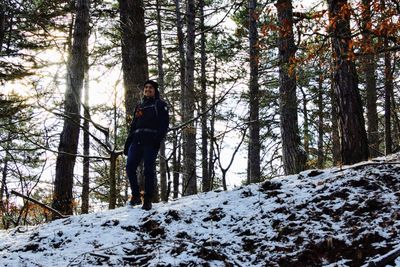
[{"x": 184, "y": 124}]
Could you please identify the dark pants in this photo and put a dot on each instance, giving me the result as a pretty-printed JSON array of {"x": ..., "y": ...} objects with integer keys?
[{"x": 137, "y": 153}]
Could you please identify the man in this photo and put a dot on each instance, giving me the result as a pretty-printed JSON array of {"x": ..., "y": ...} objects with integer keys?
[{"x": 148, "y": 128}]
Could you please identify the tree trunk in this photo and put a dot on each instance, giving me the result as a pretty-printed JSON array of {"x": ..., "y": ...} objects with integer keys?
[
  {"x": 336, "y": 156},
  {"x": 3, "y": 187},
  {"x": 204, "y": 118},
  {"x": 86, "y": 146},
  {"x": 320, "y": 104},
  {"x": 388, "y": 94},
  {"x": 176, "y": 163},
  {"x": 396, "y": 121},
  {"x": 182, "y": 75},
  {"x": 125, "y": 183},
  {"x": 9, "y": 24},
  {"x": 189, "y": 132},
  {"x": 294, "y": 158},
  {"x": 134, "y": 53},
  {"x": 181, "y": 49},
  {"x": 113, "y": 197},
  {"x": 121, "y": 183},
  {"x": 354, "y": 143},
  {"x": 370, "y": 81},
  {"x": 388, "y": 111},
  {"x": 235, "y": 151},
  {"x": 254, "y": 173},
  {"x": 2, "y": 24},
  {"x": 306, "y": 130},
  {"x": 211, "y": 173},
  {"x": 160, "y": 58},
  {"x": 63, "y": 184},
  {"x": 112, "y": 201},
  {"x": 3, "y": 179}
]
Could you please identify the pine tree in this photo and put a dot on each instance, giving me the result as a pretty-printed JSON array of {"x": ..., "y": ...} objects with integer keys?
[
  {"x": 369, "y": 68},
  {"x": 254, "y": 174},
  {"x": 189, "y": 132},
  {"x": 21, "y": 34},
  {"x": 68, "y": 146},
  {"x": 293, "y": 155},
  {"x": 353, "y": 143}
]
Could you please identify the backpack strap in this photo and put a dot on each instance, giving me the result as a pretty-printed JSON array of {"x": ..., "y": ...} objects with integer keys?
[{"x": 155, "y": 106}]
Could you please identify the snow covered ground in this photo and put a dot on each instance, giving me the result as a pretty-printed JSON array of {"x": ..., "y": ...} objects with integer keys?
[{"x": 335, "y": 217}]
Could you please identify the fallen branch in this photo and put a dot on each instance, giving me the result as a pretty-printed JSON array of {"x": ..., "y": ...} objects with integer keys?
[
  {"x": 135, "y": 258},
  {"x": 125, "y": 258},
  {"x": 106, "y": 257},
  {"x": 385, "y": 259},
  {"x": 358, "y": 165},
  {"x": 39, "y": 203}
]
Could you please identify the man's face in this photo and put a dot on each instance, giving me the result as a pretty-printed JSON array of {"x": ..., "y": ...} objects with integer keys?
[{"x": 149, "y": 90}]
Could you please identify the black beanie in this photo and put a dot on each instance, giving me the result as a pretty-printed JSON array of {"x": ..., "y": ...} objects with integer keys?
[{"x": 153, "y": 83}]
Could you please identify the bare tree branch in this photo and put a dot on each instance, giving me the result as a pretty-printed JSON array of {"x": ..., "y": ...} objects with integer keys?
[{"x": 39, "y": 203}]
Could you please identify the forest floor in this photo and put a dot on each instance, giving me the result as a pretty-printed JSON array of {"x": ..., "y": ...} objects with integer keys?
[{"x": 347, "y": 216}]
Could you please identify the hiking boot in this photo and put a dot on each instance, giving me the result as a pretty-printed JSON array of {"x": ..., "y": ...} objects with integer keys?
[
  {"x": 146, "y": 204},
  {"x": 135, "y": 201}
]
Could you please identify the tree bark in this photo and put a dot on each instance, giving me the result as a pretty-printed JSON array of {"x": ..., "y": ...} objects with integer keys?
[
  {"x": 388, "y": 110},
  {"x": 388, "y": 93},
  {"x": 204, "y": 118},
  {"x": 178, "y": 150},
  {"x": 86, "y": 145},
  {"x": 320, "y": 104},
  {"x": 160, "y": 57},
  {"x": 254, "y": 173},
  {"x": 121, "y": 181},
  {"x": 182, "y": 75},
  {"x": 113, "y": 179},
  {"x": 176, "y": 163},
  {"x": 336, "y": 155},
  {"x": 211, "y": 172},
  {"x": 396, "y": 121},
  {"x": 134, "y": 53},
  {"x": 293, "y": 155},
  {"x": 181, "y": 50},
  {"x": 370, "y": 80},
  {"x": 2, "y": 24},
  {"x": 3, "y": 179},
  {"x": 189, "y": 132},
  {"x": 4, "y": 173},
  {"x": 354, "y": 143},
  {"x": 306, "y": 130},
  {"x": 64, "y": 179},
  {"x": 112, "y": 201}
]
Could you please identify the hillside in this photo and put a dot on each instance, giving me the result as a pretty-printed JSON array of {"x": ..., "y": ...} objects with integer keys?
[{"x": 333, "y": 217}]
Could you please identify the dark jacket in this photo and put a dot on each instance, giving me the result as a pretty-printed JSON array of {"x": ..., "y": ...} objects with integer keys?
[{"x": 149, "y": 124}]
